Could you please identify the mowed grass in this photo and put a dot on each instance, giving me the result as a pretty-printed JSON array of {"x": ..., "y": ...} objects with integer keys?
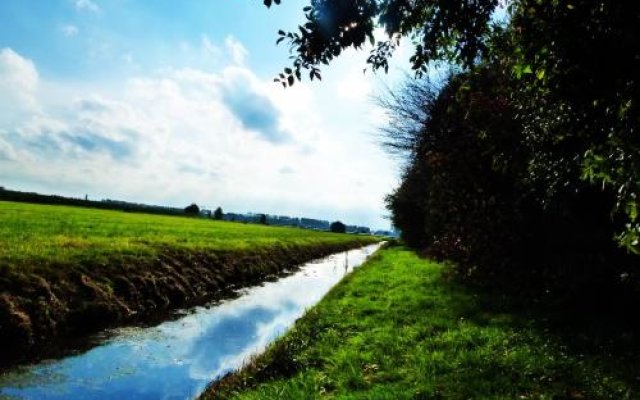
[
  {"x": 396, "y": 329},
  {"x": 33, "y": 235}
]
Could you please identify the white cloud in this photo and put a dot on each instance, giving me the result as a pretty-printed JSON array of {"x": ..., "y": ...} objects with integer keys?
[
  {"x": 19, "y": 81},
  {"x": 238, "y": 51},
  {"x": 87, "y": 5},
  {"x": 69, "y": 30},
  {"x": 182, "y": 135},
  {"x": 355, "y": 85},
  {"x": 17, "y": 74},
  {"x": 6, "y": 150}
]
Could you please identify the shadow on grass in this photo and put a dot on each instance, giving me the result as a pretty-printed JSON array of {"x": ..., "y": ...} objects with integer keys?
[{"x": 595, "y": 339}]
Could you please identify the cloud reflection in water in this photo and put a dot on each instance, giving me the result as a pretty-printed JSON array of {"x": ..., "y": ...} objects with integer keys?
[{"x": 177, "y": 359}]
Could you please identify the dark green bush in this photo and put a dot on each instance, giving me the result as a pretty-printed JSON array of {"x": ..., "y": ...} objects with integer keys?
[{"x": 470, "y": 195}]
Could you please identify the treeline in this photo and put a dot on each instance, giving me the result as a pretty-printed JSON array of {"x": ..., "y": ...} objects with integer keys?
[
  {"x": 191, "y": 210},
  {"x": 524, "y": 168},
  {"x": 106, "y": 204},
  {"x": 283, "y": 220}
]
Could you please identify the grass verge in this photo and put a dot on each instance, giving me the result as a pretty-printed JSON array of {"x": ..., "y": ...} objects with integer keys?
[
  {"x": 68, "y": 271},
  {"x": 397, "y": 329}
]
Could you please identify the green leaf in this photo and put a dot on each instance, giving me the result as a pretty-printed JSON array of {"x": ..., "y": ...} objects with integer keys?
[{"x": 632, "y": 210}]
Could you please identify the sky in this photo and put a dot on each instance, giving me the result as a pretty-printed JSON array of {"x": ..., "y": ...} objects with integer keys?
[{"x": 169, "y": 103}]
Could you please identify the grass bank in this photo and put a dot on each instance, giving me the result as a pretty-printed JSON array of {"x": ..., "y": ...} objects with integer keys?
[
  {"x": 397, "y": 329},
  {"x": 67, "y": 271}
]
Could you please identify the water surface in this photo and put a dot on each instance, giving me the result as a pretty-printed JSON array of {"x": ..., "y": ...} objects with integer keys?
[{"x": 177, "y": 359}]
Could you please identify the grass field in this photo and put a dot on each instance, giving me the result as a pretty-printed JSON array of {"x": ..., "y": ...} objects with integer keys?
[
  {"x": 69, "y": 271},
  {"x": 396, "y": 329},
  {"x": 34, "y": 235}
]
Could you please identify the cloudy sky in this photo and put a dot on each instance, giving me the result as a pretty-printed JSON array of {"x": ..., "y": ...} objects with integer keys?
[{"x": 169, "y": 103}]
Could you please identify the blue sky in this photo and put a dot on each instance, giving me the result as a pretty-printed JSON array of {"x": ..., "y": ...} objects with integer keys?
[
  {"x": 148, "y": 31},
  {"x": 172, "y": 102}
]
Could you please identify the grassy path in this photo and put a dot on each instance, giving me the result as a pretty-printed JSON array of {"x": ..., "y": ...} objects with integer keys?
[{"x": 395, "y": 329}]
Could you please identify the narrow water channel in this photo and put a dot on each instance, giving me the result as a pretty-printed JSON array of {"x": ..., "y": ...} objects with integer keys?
[{"x": 178, "y": 358}]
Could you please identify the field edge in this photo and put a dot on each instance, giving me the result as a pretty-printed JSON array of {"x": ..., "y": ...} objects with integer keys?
[{"x": 41, "y": 310}]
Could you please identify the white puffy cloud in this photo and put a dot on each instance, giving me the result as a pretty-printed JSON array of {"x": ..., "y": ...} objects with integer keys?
[
  {"x": 355, "y": 85},
  {"x": 19, "y": 81},
  {"x": 18, "y": 75},
  {"x": 245, "y": 97},
  {"x": 172, "y": 137},
  {"x": 238, "y": 52}
]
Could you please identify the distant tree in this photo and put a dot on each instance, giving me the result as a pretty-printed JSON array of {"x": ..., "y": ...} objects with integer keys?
[
  {"x": 218, "y": 214},
  {"x": 263, "y": 219},
  {"x": 338, "y": 227},
  {"x": 192, "y": 209}
]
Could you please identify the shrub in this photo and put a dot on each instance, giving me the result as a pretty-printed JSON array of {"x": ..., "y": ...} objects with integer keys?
[
  {"x": 192, "y": 209},
  {"x": 338, "y": 227}
]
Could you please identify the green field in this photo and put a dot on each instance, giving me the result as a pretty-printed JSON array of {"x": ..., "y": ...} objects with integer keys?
[
  {"x": 34, "y": 236},
  {"x": 397, "y": 329},
  {"x": 68, "y": 271}
]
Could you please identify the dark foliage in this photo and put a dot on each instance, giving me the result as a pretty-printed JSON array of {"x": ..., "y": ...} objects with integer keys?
[
  {"x": 192, "y": 209},
  {"x": 218, "y": 214},
  {"x": 460, "y": 193},
  {"x": 576, "y": 62},
  {"x": 525, "y": 166},
  {"x": 262, "y": 219},
  {"x": 441, "y": 29},
  {"x": 579, "y": 95},
  {"x": 338, "y": 227},
  {"x": 409, "y": 206},
  {"x": 467, "y": 196},
  {"x": 107, "y": 204}
]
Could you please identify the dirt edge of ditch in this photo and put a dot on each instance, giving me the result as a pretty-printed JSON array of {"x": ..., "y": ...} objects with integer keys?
[{"x": 39, "y": 313}]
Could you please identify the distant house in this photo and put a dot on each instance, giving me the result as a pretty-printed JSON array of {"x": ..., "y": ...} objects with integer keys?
[{"x": 205, "y": 213}]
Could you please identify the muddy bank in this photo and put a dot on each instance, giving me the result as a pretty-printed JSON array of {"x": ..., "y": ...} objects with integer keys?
[{"x": 41, "y": 310}]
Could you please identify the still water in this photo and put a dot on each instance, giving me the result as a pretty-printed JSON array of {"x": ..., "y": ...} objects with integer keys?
[{"x": 178, "y": 358}]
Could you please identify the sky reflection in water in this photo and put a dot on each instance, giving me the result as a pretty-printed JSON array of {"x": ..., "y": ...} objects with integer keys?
[{"x": 177, "y": 359}]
